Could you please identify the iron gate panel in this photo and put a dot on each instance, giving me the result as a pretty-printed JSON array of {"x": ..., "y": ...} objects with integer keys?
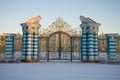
[
  {"x": 59, "y": 46},
  {"x": 76, "y": 48},
  {"x": 65, "y": 55},
  {"x": 54, "y": 55}
]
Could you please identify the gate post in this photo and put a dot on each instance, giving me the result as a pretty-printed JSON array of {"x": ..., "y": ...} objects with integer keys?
[
  {"x": 59, "y": 45},
  {"x": 71, "y": 46},
  {"x": 47, "y": 46}
]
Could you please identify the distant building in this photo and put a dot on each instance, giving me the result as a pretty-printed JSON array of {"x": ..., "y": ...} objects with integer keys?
[{"x": 89, "y": 41}]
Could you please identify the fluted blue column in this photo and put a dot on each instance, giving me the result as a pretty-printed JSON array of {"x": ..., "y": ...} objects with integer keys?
[
  {"x": 9, "y": 47},
  {"x": 30, "y": 40},
  {"x": 111, "y": 46},
  {"x": 89, "y": 42}
]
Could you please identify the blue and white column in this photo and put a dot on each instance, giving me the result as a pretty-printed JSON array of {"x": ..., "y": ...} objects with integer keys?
[
  {"x": 9, "y": 47},
  {"x": 111, "y": 46},
  {"x": 30, "y": 40},
  {"x": 89, "y": 42}
]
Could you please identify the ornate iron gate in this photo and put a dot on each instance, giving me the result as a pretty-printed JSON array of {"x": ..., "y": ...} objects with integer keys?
[{"x": 59, "y": 46}]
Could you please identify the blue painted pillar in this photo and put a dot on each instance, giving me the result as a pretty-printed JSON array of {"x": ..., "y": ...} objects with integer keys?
[
  {"x": 89, "y": 40},
  {"x": 111, "y": 46},
  {"x": 9, "y": 47},
  {"x": 30, "y": 40}
]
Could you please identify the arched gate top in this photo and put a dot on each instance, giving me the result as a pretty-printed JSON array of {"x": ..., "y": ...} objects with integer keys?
[{"x": 59, "y": 32}]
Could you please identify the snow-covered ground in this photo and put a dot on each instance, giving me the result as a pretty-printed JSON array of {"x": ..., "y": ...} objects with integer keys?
[{"x": 59, "y": 71}]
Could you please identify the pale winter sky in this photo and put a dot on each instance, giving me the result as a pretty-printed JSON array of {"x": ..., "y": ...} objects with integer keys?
[{"x": 14, "y": 12}]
